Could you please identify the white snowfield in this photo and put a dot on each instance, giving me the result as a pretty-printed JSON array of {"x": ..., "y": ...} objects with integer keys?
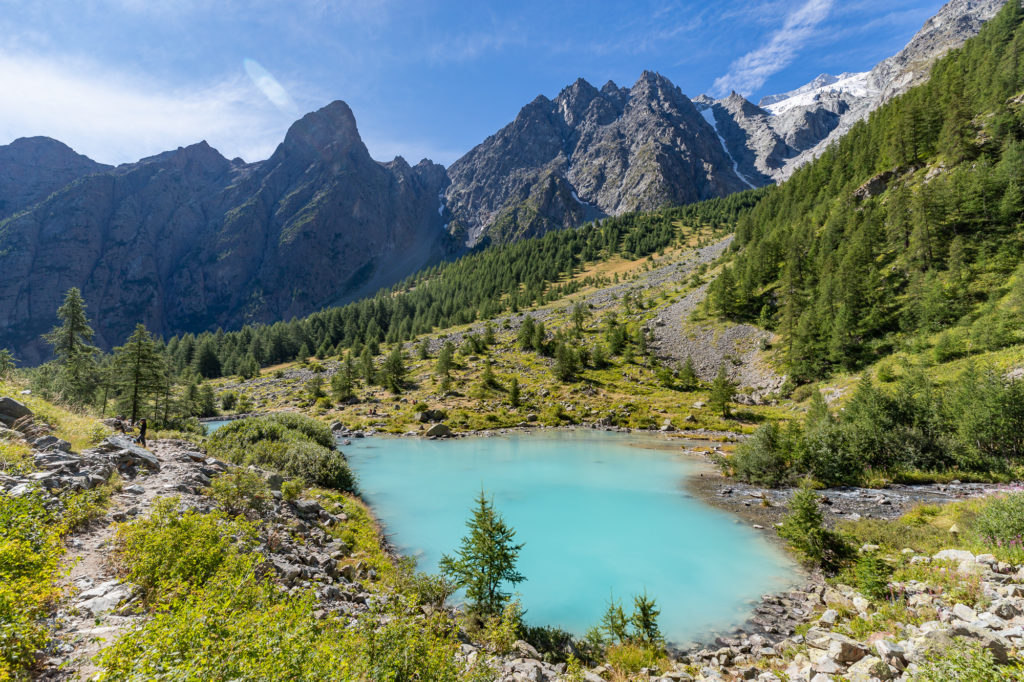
[{"x": 854, "y": 84}]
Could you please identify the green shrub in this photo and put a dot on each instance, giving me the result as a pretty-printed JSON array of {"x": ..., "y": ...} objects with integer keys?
[
  {"x": 826, "y": 454},
  {"x": 965, "y": 661},
  {"x": 764, "y": 458},
  {"x": 290, "y": 443},
  {"x": 228, "y": 400},
  {"x": 803, "y": 392},
  {"x": 872, "y": 575},
  {"x": 239, "y": 628},
  {"x": 173, "y": 550},
  {"x": 314, "y": 430},
  {"x": 290, "y": 490},
  {"x": 628, "y": 658},
  {"x": 319, "y": 465},
  {"x": 239, "y": 490},
  {"x": 553, "y": 643},
  {"x": 1000, "y": 523},
  {"x": 501, "y": 630},
  {"x": 30, "y": 550}
]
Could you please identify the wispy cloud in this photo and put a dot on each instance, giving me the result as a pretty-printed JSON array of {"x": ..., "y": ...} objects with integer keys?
[
  {"x": 116, "y": 117},
  {"x": 750, "y": 71}
]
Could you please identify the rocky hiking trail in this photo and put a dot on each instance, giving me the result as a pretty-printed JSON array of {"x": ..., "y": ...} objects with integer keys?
[{"x": 100, "y": 606}]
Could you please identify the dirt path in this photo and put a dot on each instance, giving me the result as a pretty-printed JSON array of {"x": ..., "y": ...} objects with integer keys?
[{"x": 98, "y": 608}]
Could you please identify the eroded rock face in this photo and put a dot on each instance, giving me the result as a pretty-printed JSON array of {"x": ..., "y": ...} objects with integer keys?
[
  {"x": 585, "y": 154},
  {"x": 188, "y": 240},
  {"x": 32, "y": 168}
]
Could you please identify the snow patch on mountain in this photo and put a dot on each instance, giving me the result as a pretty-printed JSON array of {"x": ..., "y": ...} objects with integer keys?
[
  {"x": 852, "y": 84},
  {"x": 709, "y": 116}
]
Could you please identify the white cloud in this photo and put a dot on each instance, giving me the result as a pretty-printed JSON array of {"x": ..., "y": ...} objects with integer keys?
[
  {"x": 115, "y": 117},
  {"x": 750, "y": 71}
]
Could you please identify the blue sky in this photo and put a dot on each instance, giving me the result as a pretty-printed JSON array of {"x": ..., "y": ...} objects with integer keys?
[{"x": 122, "y": 79}]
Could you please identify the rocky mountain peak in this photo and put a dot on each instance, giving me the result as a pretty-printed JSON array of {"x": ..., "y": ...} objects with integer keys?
[
  {"x": 198, "y": 157},
  {"x": 322, "y": 134},
  {"x": 702, "y": 102},
  {"x": 32, "y": 168},
  {"x": 574, "y": 100},
  {"x": 610, "y": 88}
]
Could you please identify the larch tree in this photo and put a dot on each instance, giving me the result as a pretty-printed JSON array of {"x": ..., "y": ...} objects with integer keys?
[
  {"x": 141, "y": 370},
  {"x": 72, "y": 344},
  {"x": 486, "y": 559}
]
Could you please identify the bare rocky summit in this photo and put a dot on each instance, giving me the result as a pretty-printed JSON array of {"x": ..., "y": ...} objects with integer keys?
[
  {"x": 188, "y": 240},
  {"x": 585, "y": 154}
]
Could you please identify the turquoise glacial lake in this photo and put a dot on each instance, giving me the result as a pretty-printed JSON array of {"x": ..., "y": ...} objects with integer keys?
[{"x": 599, "y": 513}]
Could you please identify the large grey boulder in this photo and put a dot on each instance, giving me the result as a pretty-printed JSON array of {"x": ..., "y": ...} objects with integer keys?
[
  {"x": 438, "y": 431},
  {"x": 845, "y": 650},
  {"x": 997, "y": 645},
  {"x": 125, "y": 453},
  {"x": 11, "y": 410}
]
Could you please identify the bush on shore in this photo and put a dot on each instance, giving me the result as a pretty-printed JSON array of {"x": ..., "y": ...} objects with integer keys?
[{"x": 292, "y": 444}]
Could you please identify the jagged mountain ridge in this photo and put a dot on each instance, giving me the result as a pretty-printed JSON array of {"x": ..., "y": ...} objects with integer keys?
[
  {"x": 188, "y": 240},
  {"x": 591, "y": 152},
  {"x": 588, "y": 153}
]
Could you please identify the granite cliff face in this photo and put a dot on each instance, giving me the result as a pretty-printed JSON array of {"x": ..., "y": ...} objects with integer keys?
[
  {"x": 188, "y": 240},
  {"x": 32, "y": 168},
  {"x": 585, "y": 154}
]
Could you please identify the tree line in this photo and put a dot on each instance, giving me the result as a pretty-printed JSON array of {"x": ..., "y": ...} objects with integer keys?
[{"x": 843, "y": 270}]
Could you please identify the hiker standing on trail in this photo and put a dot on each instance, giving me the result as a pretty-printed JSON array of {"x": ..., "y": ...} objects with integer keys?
[{"x": 142, "y": 432}]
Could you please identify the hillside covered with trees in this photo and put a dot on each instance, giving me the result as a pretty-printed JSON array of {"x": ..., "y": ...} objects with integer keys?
[{"x": 909, "y": 225}]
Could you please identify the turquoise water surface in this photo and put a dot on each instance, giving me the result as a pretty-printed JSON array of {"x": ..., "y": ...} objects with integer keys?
[{"x": 599, "y": 513}]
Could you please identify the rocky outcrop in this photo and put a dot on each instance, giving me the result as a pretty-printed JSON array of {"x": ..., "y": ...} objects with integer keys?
[
  {"x": 585, "y": 154},
  {"x": 33, "y": 168},
  {"x": 188, "y": 240}
]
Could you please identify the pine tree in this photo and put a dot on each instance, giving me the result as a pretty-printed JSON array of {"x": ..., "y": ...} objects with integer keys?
[
  {"x": 645, "y": 620},
  {"x": 341, "y": 386},
  {"x": 485, "y": 560},
  {"x": 206, "y": 363},
  {"x": 566, "y": 362},
  {"x": 6, "y": 363},
  {"x": 614, "y": 622},
  {"x": 76, "y": 355},
  {"x": 207, "y": 401},
  {"x": 579, "y": 318},
  {"x": 423, "y": 352},
  {"x": 1011, "y": 206},
  {"x": 722, "y": 392},
  {"x": 443, "y": 367},
  {"x": 487, "y": 377},
  {"x": 141, "y": 371},
  {"x": 366, "y": 368},
  {"x": 525, "y": 335},
  {"x": 394, "y": 369},
  {"x": 514, "y": 398},
  {"x": 688, "y": 379}
]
